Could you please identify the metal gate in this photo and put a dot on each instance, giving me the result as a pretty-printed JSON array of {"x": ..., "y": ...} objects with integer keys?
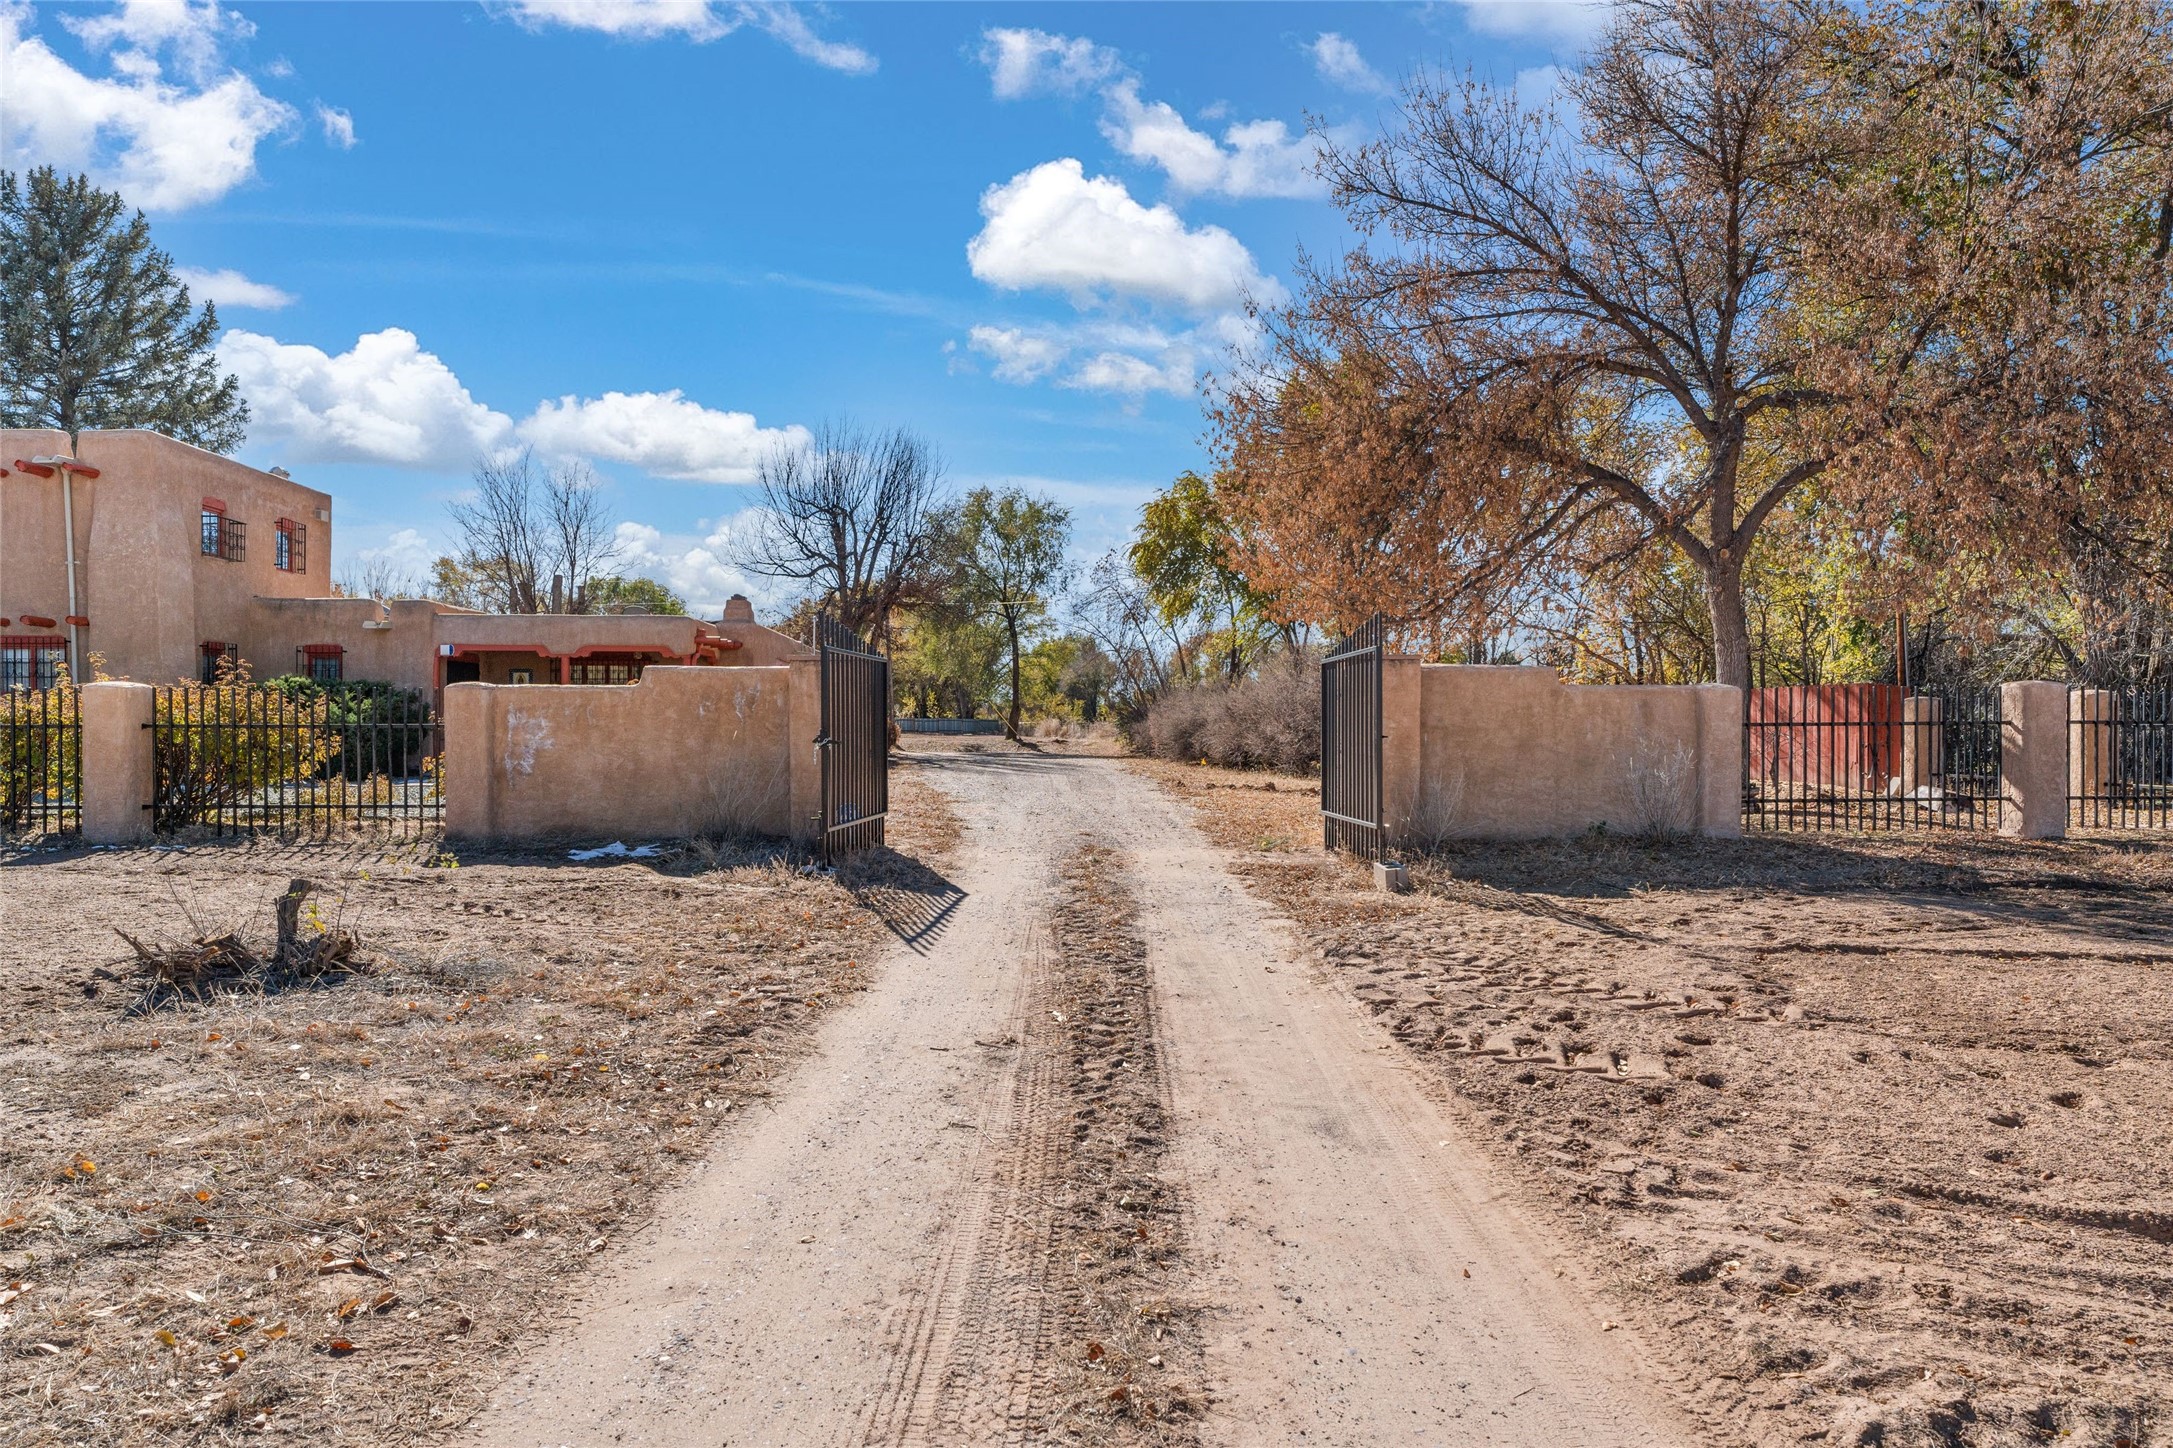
[
  {"x": 41, "y": 762},
  {"x": 1350, "y": 742},
  {"x": 854, "y": 742}
]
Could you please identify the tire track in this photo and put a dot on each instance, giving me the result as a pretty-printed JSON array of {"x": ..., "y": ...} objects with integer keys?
[{"x": 1050, "y": 1305}]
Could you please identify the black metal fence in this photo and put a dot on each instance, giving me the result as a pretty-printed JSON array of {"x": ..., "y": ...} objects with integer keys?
[
  {"x": 1350, "y": 741},
  {"x": 257, "y": 758},
  {"x": 854, "y": 741},
  {"x": 2120, "y": 758},
  {"x": 1870, "y": 757},
  {"x": 41, "y": 763}
]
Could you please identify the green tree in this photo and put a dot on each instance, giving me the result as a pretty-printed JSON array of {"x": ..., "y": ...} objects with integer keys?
[
  {"x": 638, "y": 595},
  {"x": 943, "y": 659},
  {"x": 95, "y": 330},
  {"x": 1007, "y": 552},
  {"x": 1181, "y": 551}
]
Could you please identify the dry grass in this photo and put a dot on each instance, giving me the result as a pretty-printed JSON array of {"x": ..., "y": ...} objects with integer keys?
[
  {"x": 1130, "y": 1368},
  {"x": 1868, "y": 1134},
  {"x": 333, "y": 1207}
]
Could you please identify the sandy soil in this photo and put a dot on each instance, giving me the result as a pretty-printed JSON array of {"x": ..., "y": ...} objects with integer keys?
[
  {"x": 1867, "y": 1135},
  {"x": 332, "y": 1212},
  {"x": 918, "y": 1242}
]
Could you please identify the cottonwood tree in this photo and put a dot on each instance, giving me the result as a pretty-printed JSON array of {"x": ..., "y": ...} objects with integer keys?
[
  {"x": 524, "y": 529},
  {"x": 1182, "y": 551},
  {"x": 95, "y": 331},
  {"x": 1005, "y": 552},
  {"x": 1757, "y": 247},
  {"x": 850, "y": 516}
]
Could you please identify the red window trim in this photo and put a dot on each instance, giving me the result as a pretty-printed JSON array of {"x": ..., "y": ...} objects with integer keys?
[
  {"x": 32, "y": 641},
  {"x": 322, "y": 651},
  {"x": 213, "y": 505}
]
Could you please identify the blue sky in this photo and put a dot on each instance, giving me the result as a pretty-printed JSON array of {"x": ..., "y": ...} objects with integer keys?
[{"x": 662, "y": 237}]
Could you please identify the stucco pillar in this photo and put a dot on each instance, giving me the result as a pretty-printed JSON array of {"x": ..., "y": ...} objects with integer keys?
[
  {"x": 1923, "y": 743},
  {"x": 803, "y": 721},
  {"x": 1402, "y": 750},
  {"x": 1720, "y": 760},
  {"x": 2033, "y": 760},
  {"x": 117, "y": 777},
  {"x": 2089, "y": 742},
  {"x": 464, "y": 769}
]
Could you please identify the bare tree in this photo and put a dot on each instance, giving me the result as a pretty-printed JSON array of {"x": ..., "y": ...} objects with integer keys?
[
  {"x": 852, "y": 515},
  {"x": 526, "y": 528},
  {"x": 378, "y": 578}
]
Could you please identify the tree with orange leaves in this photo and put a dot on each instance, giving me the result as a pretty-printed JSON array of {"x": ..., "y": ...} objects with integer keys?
[{"x": 1916, "y": 257}]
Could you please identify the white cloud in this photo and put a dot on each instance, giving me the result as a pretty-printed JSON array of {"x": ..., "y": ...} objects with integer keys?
[
  {"x": 1020, "y": 355},
  {"x": 1055, "y": 227},
  {"x": 1337, "y": 60},
  {"x": 406, "y": 551},
  {"x": 1569, "y": 21},
  {"x": 166, "y": 146},
  {"x": 1101, "y": 355},
  {"x": 385, "y": 400},
  {"x": 659, "y": 432},
  {"x": 1028, "y": 62},
  {"x": 697, "y": 20},
  {"x": 1254, "y": 158},
  {"x": 339, "y": 126},
  {"x": 229, "y": 288},
  {"x": 699, "y": 567}
]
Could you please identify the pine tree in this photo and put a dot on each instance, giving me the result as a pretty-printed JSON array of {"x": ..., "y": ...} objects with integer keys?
[{"x": 95, "y": 330}]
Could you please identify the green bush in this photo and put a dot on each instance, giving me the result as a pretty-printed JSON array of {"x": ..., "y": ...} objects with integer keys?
[
  {"x": 38, "y": 763},
  {"x": 378, "y": 728}
]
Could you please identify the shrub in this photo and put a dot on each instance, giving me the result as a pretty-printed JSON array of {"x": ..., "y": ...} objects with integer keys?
[
  {"x": 1268, "y": 721},
  {"x": 220, "y": 745},
  {"x": 37, "y": 766},
  {"x": 377, "y": 727}
]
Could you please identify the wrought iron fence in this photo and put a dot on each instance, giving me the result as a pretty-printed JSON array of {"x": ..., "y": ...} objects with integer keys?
[
  {"x": 1350, "y": 742},
  {"x": 41, "y": 762},
  {"x": 2120, "y": 758},
  {"x": 1870, "y": 757},
  {"x": 258, "y": 758},
  {"x": 854, "y": 742}
]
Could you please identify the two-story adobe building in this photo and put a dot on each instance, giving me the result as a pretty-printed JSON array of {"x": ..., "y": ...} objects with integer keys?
[{"x": 164, "y": 560}]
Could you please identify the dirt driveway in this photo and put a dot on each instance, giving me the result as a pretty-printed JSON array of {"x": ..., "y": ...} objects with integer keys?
[{"x": 1095, "y": 1158}]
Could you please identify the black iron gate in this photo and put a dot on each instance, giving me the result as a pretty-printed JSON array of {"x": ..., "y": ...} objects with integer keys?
[
  {"x": 1350, "y": 742},
  {"x": 854, "y": 742},
  {"x": 41, "y": 762}
]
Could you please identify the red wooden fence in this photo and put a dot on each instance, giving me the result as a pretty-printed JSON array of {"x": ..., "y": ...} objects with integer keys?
[{"x": 1838, "y": 736}]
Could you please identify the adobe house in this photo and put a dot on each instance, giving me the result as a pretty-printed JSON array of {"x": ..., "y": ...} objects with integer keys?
[{"x": 165, "y": 559}]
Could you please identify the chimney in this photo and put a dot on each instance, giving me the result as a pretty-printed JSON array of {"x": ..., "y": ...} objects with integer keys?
[
  {"x": 558, "y": 593},
  {"x": 738, "y": 610}
]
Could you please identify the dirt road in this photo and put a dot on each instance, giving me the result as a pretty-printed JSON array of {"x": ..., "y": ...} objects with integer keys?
[{"x": 875, "y": 1258}]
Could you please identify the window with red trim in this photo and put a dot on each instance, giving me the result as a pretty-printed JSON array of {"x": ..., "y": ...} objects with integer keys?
[
  {"x": 220, "y": 536},
  {"x": 603, "y": 670},
  {"x": 324, "y": 662},
  {"x": 290, "y": 546},
  {"x": 31, "y": 661},
  {"x": 211, "y": 655}
]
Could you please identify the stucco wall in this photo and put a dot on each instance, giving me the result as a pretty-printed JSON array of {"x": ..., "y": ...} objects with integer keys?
[
  {"x": 684, "y": 752},
  {"x": 1492, "y": 752},
  {"x": 395, "y": 642},
  {"x": 151, "y": 595}
]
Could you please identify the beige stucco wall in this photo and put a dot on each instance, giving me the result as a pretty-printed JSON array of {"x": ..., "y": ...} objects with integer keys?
[
  {"x": 684, "y": 752},
  {"x": 1491, "y": 752},
  {"x": 150, "y": 594}
]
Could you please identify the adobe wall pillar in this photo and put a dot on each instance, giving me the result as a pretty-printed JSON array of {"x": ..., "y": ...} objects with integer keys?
[
  {"x": 1403, "y": 763},
  {"x": 2089, "y": 742},
  {"x": 117, "y": 777},
  {"x": 465, "y": 769},
  {"x": 2033, "y": 760},
  {"x": 1923, "y": 743},
  {"x": 1719, "y": 804},
  {"x": 803, "y": 722}
]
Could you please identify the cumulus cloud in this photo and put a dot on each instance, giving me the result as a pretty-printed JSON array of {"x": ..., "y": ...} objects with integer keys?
[
  {"x": 385, "y": 400},
  {"x": 229, "y": 288},
  {"x": 1019, "y": 355},
  {"x": 1254, "y": 158},
  {"x": 659, "y": 432},
  {"x": 1029, "y": 62},
  {"x": 1338, "y": 62},
  {"x": 1055, "y": 227},
  {"x": 699, "y": 567},
  {"x": 1128, "y": 359},
  {"x": 165, "y": 144},
  {"x": 696, "y": 20},
  {"x": 339, "y": 126},
  {"x": 1568, "y": 21}
]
